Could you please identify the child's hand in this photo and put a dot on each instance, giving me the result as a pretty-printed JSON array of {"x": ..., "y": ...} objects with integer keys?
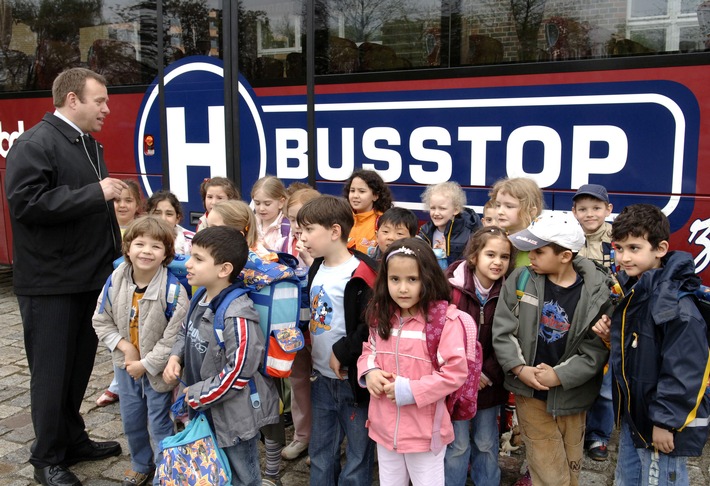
[
  {"x": 602, "y": 328},
  {"x": 172, "y": 371},
  {"x": 389, "y": 391},
  {"x": 376, "y": 381},
  {"x": 439, "y": 244},
  {"x": 484, "y": 382},
  {"x": 527, "y": 375},
  {"x": 545, "y": 375},
  {"x": 135, "y": 369},
  {"x": 663, "y": 440},
  {"x": 335, "y": 366},
  {"x": 307, "y": 259}
]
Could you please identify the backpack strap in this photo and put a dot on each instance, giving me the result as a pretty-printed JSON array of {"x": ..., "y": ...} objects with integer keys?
[
  {"x": 218, "y": 321},
  {"x": 522, "y": 282},
  {"x": 172, "y": 291},
  {"x": 285, "y": 227},
  {"x": 105, "y": 295}
]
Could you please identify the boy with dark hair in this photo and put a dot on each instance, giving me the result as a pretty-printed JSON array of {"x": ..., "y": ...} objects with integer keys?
[
  {"x": 659, "y": 353},
  {"x": 340, "y": 288},
  {"x": 543, "y": 341},
  {"x": 219, "y": 381},
  {"x": 396, "y": 223},
  {"x": 591, "y": 207},
  {"x": 131, "y": 320}
]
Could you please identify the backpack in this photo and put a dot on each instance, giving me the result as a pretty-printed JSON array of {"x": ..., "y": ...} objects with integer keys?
[
  {"x": 463, "y": 403},
  {"x": 275, "y": 291},
  {"x": 172, "y": 291}
]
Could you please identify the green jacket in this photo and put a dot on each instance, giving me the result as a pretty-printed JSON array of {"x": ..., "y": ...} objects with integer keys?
[{"x": 515, "y": 338}]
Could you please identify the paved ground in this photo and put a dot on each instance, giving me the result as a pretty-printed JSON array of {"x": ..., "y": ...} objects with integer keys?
[{"x": 105, "y": 423}]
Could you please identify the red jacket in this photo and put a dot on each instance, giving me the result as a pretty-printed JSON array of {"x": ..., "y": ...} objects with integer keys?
[{"x": 409, "y": 428}]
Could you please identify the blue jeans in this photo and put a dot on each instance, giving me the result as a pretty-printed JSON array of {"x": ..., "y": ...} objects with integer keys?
[
  {"x": 244, "y": 461},
  {"x": 482, "y": 451},
  {"x": 143, "y": 407},
  {"x": 334, "y": 417},
  {"x": 637, "y": 466},
  {"x": 600, "y": 418}
]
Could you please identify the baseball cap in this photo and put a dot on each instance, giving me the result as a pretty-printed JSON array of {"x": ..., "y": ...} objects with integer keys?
[
  {"x": 594, "y": 190},
  {"x": 559, "y": 227}
]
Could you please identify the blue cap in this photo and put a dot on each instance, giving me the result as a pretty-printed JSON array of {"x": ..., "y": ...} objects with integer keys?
[{"x": 594, "y": 190}]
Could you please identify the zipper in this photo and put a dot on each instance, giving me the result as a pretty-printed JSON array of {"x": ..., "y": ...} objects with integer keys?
[
  {"x": 634, "y": 344},
  {"x": 396, "y": 362}
]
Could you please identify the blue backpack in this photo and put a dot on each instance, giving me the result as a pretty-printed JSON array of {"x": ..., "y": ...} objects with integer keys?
[
  {"x": 276, "y": 292},
  {"x": 176, "y": 267},
  {"x": 172, "y": 291}
]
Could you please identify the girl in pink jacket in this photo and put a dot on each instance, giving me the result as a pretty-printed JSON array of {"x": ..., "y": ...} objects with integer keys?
[{"x": 407, "y": 416}]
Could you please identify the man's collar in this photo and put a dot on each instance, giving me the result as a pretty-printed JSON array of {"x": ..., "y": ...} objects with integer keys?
[{"x": 59, "y": 115}]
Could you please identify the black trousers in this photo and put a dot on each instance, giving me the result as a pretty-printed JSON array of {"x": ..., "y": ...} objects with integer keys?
[{"x": 61, "y": 346}]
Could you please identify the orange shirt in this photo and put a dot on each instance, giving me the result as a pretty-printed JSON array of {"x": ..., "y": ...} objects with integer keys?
[{"x": 363, "y": 234}]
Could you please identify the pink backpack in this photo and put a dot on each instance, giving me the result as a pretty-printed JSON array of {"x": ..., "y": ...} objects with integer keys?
[{"x": 463, "y": 403}]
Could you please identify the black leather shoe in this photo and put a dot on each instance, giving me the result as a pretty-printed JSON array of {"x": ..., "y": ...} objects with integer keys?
[
  {"x": 92, "y": 451},
  {"x": 56, "y": 476}
]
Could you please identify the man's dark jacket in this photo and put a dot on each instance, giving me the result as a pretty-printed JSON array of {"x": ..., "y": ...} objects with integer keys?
[{"x": 65, "y": 235}]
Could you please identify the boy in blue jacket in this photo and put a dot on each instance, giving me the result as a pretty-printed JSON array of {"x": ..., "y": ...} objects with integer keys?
[{"x": 659, "y": 353}]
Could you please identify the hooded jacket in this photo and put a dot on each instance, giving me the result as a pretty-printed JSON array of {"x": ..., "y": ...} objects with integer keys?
[
  {"x": 225, "y": 373},
  {"x": 580, "y": 367},
  {"x": 461, "y": 279},
  {"x": 357, "y": 295},
  {"x": 156, "y": 336},
  {"x": 65, "y": 234},
  {"x": 660, "y": 356},
  {"x": 457, "y": 233}
]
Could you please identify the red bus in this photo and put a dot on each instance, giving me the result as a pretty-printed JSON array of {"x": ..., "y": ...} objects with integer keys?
[{"x": 567, "y": 92}]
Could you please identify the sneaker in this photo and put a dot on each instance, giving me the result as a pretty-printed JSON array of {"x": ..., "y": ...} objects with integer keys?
[
  {"x": 107, "y": 398},
  {"x": 271, "y": 481},
  {"x": 133, "y": 478},
  {"x": 526, "y": 480},
  {"x": 598, "y": 451},
  {"x": 294, "y": 450}
]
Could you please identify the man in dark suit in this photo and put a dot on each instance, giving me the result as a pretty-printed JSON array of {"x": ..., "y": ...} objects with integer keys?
[{"x": 65, "y": 236}]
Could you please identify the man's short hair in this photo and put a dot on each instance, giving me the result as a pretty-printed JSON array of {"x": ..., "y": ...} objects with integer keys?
[
  {"x": 151, "y": 227},
  {"x": 397, "y": 216},
  {"x": 642, "y": 221},
  {"x": 73, "y": 81},
  {"x": 225, "y": 245},
  {"x": 327, "y": 211}
]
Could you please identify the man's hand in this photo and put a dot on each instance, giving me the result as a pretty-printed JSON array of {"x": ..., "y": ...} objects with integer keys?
[
  {"x": 172, "y": 371},
  {"x": 663, "y": 440},
  {"x": 376, "y": 381},
  {"x": 335, "y": 366},
  {"x": 112, "y": 188},
  {"x": 546, "y": 375}
]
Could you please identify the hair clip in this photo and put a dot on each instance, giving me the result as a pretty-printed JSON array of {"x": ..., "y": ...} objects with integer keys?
[
  {"x": 246, "y": 229},
  {"x": 404, "y": 250}
]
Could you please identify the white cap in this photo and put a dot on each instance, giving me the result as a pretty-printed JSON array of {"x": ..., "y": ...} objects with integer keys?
[{"x": 559, "y": 227}]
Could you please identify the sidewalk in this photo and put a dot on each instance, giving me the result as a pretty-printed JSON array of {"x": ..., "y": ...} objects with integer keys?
[{"x": 16, "y": 432}]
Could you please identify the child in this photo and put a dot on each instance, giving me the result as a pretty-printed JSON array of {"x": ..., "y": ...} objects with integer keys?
[
  {"x": 269, "y": 196},
  {"x": 544, "y": 343},
  {"x": 477, "y": 281},
  {"x": 339, "y": 289},
  {"x": 301, "y": 369},
  {"x": 130, "y": 319},
  {"x": 164, "y": 204},
  {"x": 590, "y": 205},
  {"x": 451, "y": 223},
  {"x": 128, "y": 205},
  {"x": 238, "y": 214},
  {"x": 489, "y": 214},
  {"x": 369, "y": 197},
  {"x": 395, "y": 224},
  {"x": 219, "y": 379},
  {"x": 407, "y": 389},
  {"x": 659, "y": 353},
  {"x": 518, "y": 201},
  {"x": 214, "y": 190}
]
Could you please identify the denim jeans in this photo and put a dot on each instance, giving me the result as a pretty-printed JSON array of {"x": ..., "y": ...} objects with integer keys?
[
  {"x": 142, "y": 407},
  {"x": 600, "y": 418},
  {"x": 482, "y": 451},
  {"x": 334, "y": 417},
  {"x": 640, "y": 467},
  {"x": 244, "y": 460}
]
